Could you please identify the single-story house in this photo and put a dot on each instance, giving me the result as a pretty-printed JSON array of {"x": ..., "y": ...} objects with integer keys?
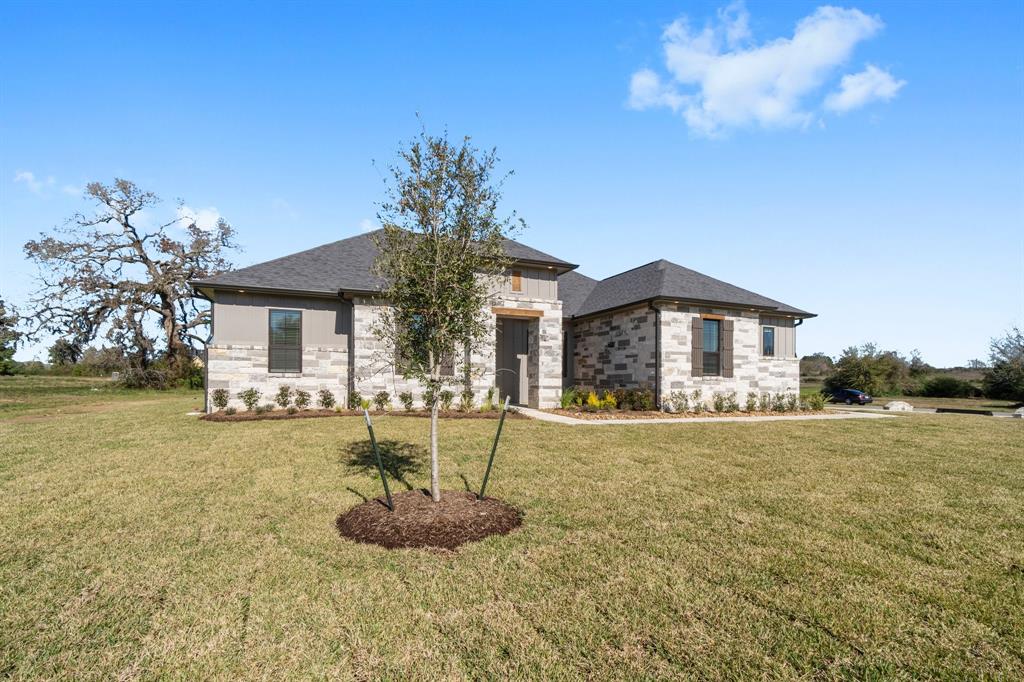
[{"x": 306, "y": 320}]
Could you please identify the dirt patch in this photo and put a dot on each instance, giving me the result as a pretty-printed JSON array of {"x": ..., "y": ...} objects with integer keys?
[
  {"x": 248, "y": 416},
  {"x": 418, "y": 521},
  {"x": 652, "y": 414}
]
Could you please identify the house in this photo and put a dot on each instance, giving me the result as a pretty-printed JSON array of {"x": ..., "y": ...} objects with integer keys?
[{"x": 306, "y": 320}]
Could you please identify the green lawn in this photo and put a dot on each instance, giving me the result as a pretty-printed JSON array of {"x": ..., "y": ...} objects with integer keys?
[{"x": 136, "y": 541}]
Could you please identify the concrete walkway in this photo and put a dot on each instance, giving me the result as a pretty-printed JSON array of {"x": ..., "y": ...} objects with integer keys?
[{"x": 572, "y": 421}]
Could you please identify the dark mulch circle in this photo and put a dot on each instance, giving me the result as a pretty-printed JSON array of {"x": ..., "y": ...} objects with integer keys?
[{"x": 418, "y": 521}]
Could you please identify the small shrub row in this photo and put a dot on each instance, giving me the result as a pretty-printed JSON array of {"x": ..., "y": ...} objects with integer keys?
[
  {"x": 637, "y": 399},
  {"x": 286, "y": 398},
  {"x": 694, "y": 401}
]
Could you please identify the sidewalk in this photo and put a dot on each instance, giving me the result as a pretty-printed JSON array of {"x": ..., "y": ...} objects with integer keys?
[{"x": 572, "y": 421}]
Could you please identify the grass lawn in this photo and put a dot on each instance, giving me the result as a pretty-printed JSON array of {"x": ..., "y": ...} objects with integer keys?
[{"x": 138, "y": 542}]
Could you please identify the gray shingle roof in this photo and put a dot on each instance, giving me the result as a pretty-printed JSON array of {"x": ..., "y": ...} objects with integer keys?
[
  {"x": 573, "y": 289},
  {"x": 344, "y": 265},
  {"x": 663, "y": 279}
]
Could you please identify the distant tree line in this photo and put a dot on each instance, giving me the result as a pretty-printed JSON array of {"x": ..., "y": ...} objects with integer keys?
[{"x": 885, "y": 372}]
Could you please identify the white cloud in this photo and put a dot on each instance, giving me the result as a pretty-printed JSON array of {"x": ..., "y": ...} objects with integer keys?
[
  {"x": 858, "y": 89},
  {"x": 72, "y": 191},
  {"x": 717, "y": 80},
  {"x": 34, "y": 184},
  {"x": 367, "y": 225},
  {"x": 204, "y": 218}
]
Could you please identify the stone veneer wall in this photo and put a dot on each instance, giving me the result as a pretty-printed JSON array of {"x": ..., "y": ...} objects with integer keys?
[
  {"x": 239, "y": 367},
  {"x": 616, "y": 350},
  {"x": 373, "y": 370},
  {"x": 751, "y": 372}
]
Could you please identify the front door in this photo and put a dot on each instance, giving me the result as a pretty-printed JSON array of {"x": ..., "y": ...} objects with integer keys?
[{"x": 513, "y": 350}]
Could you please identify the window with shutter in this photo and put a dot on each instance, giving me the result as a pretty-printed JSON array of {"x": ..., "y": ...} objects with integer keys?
[
  {"x": 697, "y": 347},
  {"x": 712, "y": 348},
  {"x": 517, "y": 280},
  {"x": 285, "y": 345}
]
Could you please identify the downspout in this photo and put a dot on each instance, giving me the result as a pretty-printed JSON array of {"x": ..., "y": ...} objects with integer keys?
[{"x": 657, "y": 355}]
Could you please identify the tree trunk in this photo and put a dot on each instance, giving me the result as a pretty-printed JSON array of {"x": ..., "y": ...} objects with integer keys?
[{"x": 435, "y": 470}]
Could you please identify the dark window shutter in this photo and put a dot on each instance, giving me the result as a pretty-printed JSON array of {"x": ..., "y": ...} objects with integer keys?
[
  {"x": 697, "y": 348},
  {"x": 727, "y": 348}
]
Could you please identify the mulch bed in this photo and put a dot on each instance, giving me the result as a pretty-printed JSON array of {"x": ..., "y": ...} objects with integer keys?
[
  {"x": 247, "y": 416},
  {"x": 653, "y": 414},
  {"x": 418, "y": 521}
]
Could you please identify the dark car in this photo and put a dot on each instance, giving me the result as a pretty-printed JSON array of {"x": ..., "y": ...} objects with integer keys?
[{"x": 849, "y": 396}]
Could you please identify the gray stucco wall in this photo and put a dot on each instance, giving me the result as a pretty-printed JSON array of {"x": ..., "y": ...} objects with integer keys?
[{"x": 237, "y": 358}]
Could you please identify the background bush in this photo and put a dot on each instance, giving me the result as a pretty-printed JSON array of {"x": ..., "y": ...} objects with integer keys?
[{"x": 943, "y": 386}]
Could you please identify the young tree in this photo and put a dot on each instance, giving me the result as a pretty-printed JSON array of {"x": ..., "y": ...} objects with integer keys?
[
  {"x": 1005, "y": 376},
  {"x": 441, "y": 252},
  {"x": 105, "y": 272},
  {"x": 9, "y": 337}
]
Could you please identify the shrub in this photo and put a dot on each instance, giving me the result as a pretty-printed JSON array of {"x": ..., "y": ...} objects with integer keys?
[
  {"x": 608, "y": 401},
  {"x": 731, "y": 404},
  {"x": 405, "y": 397},
  {"x": 302, "y": 399},
  {"x": 230, "y": 410},
  {"x": 751, "y": 402},
  {"x": 792, "y": 402},
  {"x": 765, "y": 402},
  {"x": 447, "y": 398},
  {"x": 816, "y": 401},
  {"x": 1005, "y": 376},
  {"x": 292, "y": 409},
  {"x": 381, "y": 400},
  {"x": 643, "y": 400},
  {"x": 325, "y": 399},
  {"x": 261, "y": 409},
  {"x": 593, "y": 402},
  {"x": 220, "y": 397},
  {"x": 697, "y": 401},
  {"x": 428, "y": 398},
  {"x": 466, "y": 400},
  {"x": 568, "y": 398},
  {"x": 488, "y": 400},
  {"x": 947, "y": 387},
  {"x": 718, "y": 402},
  {"x": 778, "y": 403},
  {"x": 679, "y": 401},
  {"x": 250, "y": 397},
  {"x": 355, "y": 400},
  {"x": 284, "y": 395}
]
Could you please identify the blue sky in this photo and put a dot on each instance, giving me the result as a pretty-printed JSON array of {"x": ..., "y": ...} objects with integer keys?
[{"x": 891, "y": 203}]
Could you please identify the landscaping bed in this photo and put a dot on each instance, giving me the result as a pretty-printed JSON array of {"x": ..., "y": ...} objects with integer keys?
[
  {"x": 654, "y": 414},
  {"x": 418, "y": 521},
  {"x": 253, "y": 415}
]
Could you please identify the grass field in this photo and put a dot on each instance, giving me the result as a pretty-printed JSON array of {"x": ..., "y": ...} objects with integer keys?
[
  {"x": 991, "y": 404},
  {"x": 136, "y": 541}
]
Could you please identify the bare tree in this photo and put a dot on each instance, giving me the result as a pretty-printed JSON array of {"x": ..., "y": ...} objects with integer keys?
[
  {"x": 441, "y": 249},
  {"x": 104, "y": 274}
]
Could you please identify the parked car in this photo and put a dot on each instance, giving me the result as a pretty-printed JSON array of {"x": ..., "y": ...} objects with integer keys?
[{"x": 849, "y": 396}]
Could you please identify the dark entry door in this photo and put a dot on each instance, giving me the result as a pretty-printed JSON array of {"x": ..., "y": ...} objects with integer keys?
[{"x": 512, "y": 364}]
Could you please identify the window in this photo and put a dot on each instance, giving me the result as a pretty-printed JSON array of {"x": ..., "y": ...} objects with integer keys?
[
  {"x": 517, "y": 280},
  {"x": 712, "y": 346},
  {"x": 285, "y": 341},
  {"x": 768, "y": 341}
]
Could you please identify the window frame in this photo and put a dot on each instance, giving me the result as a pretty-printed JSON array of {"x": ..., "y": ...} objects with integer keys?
[
  {"x": 764, "y": 329},
  {"x": 271, "y": 345},
  {"x": 717, "y": 354}
]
